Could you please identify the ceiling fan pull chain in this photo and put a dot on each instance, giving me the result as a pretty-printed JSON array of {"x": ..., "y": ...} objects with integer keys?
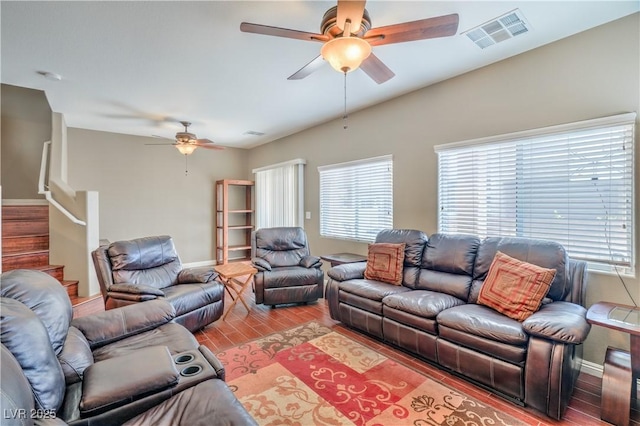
[
  {"x": 345, "y": 116},
  {"x": 186, "y": 165}
]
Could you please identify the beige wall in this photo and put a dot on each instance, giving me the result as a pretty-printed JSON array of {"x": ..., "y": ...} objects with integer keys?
[
  {"x": 592, "y": 74},
  {"x": 26, "y": 125},
  {"x": 144, "y": 190}
]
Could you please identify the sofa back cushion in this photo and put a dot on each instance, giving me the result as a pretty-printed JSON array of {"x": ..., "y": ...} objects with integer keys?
[
  {"x": 280, "y": 246},
  {"x": 447, "y": 264},
  {"x": 151, "y": 261},
  {"x": 543, "y": 253},
  {"x": 414, "y": 243}
]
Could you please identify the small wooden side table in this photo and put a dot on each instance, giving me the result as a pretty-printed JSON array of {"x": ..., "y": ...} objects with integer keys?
[
  {"x": 621, "y": 368},
  {"x": 342, "y": 258},
  {"x": 229, "y": 274}
]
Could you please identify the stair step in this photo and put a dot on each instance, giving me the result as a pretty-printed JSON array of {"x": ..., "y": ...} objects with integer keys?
[
  {"x": 26, "y": 260},
  {"x": 71, "y": 287},
  {"x": 83, "y": 306},
  {"x": 25, "y": 243},
  {"x": 26, "y": 213},
  {"x": 56, "y": 271},
  {"x": 20, "y": 228}
]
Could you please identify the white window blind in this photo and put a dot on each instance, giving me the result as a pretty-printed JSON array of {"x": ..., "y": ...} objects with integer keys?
[
  {"x": 280, "y": 194},
  {"x": 572, "y": 184},
  {"x": 356, "y": 198}
]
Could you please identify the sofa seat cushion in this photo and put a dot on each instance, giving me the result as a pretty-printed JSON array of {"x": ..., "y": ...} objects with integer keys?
[
  {"x": 421, "y": 303},
  {"x": 290, "y": 276},
  {"x": 484, "y": 322},
  {"x": 173, "y": 336},
  {"x": 371, "y": 289},
  {"x": 185, "y": 298}
]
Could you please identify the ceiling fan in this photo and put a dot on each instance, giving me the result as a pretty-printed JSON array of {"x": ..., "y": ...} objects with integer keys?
[
  {"x": 347, "y": 38},
  {"x": 187, "y": 142}
]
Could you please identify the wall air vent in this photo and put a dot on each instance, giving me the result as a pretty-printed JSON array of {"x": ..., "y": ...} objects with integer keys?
[{"x": 497, "y": 30}]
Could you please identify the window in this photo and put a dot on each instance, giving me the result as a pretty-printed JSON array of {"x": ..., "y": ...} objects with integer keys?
[
  {"x": 356, "y": 199},
  {"x": 280, "y": 194},
  {"x": 571, "y": 183}
]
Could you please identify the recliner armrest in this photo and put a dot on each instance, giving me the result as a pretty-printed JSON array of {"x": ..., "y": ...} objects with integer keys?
[
  {"x": 116, "y": 324},
  {"x": 118, "y": 381},
  {"x": 135, "y": 289},
  {"x": 560, "y": 321},
  {"x": 201, "y": 274},
  {"x": 348, "y": 271},
  {"x": 261, "y": 264},
  {"x": 311, "y": 262}
]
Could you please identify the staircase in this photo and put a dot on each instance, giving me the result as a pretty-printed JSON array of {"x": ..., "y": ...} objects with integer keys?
[{"x": 25, "y": 245}]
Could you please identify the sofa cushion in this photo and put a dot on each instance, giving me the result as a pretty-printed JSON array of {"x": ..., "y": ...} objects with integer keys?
[
  {"x": 413, "y": 240},
  {"x": 281, "y": 246},
  {"x": 484, "y": 322},
  {"x": 515, "y": 288},
  {"x": 453, "y": 253},
  {"x": 370, "y": 289},
  {"x": 290, "y": 276},
  {"x": 547, "y": 254},
  {"x": 385, "y": 263},
  {"x": 142, "y": 253},
  {"x": 422, "y": 303}
]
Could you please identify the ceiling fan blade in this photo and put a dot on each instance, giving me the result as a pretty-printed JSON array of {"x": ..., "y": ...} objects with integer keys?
[
  {"x": 207, "y": 144},
  {"x": 441, "y": 26},
  {"x": 312, "y": 66},
  {"x": 351, "y": 10},
  {"x": 160, "y": 144},
  {"x": 376, "y": 69},
  {"x": 248, "y": 27}
]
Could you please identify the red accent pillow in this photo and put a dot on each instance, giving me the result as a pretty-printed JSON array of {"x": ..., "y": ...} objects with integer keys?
[
  {"x": 384, "y": 263},
  {"x": 515, "y": 288}
]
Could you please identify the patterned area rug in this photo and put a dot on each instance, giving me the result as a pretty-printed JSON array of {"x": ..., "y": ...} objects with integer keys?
[{"x": 311, "y": 375}]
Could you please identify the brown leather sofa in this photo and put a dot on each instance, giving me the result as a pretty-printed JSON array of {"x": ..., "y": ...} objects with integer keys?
[
  {"x": 287, "y": 272},
  {"x": 149, "y": 268},
  {"x": 435, "y": 315},
  {"x": 128, "y": 365}
]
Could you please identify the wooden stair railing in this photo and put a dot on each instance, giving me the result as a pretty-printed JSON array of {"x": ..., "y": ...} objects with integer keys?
[{"x": 25, "y": 245}]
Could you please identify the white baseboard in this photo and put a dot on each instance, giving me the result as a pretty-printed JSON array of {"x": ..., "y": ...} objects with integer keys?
[
  {"x": 198, "y": 264},
  {"x": 591, "y": 368}
]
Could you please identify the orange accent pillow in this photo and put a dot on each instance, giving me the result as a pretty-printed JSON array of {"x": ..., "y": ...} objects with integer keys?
[
  {"x": 384, "y": 263},
  {"x": 515, "y": 288}
]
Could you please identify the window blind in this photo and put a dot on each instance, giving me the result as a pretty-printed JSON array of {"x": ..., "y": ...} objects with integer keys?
[
  {"x": 279, "y": 194},
  {"x": 356, "y": 198},
  {"x": 572, "y": 184}
]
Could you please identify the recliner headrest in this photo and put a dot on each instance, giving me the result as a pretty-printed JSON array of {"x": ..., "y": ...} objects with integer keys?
[
  {"x": 280, "y": 239},
  {"x": 45, "y": 296},
  {"x": 142, "y": 253}
]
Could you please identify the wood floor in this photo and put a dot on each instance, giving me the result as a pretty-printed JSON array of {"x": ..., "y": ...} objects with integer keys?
[{"x": 240, "y": 326}]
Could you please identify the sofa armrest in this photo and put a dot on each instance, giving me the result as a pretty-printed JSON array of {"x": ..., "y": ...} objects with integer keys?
[
  {"x": 116, "y": 324},
  {"x": 135, "y": 289},
  {"x": 261, "y": 264},
  {"x": 201, "y": 274},
  {"x": 348, "y": 271},
  {"x": 559, "y": 321},
  {"x": 311, "y": 262}
]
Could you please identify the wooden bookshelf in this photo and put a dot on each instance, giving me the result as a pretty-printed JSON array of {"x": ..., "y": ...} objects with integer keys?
[{"x": 234, "y": 220}]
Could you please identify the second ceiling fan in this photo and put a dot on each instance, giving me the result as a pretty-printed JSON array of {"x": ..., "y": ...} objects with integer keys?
[{"x": 347, "y": 38}]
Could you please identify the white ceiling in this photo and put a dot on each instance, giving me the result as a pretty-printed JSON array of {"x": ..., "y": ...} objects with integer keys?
[{"x": 139, "y": 67}]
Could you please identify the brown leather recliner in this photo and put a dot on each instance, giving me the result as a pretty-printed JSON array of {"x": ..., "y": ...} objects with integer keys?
[
  {"x": 129, "y": 365},
  {"x": 149, "y": 268},
  {"x": 287, "y": 273}
]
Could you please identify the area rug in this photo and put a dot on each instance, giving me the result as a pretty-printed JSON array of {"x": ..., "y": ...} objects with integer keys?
[{"x": 311, "y": 375}]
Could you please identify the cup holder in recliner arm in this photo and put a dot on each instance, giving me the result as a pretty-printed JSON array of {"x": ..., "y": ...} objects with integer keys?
[
  {"x": 191, "y": 370},
  {"x": 184, "y": 358}
]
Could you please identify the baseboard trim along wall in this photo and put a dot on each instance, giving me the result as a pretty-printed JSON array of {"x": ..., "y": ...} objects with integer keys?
[{"x": 591, "y": 368}]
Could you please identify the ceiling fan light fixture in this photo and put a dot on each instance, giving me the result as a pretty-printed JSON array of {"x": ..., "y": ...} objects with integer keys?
[
  {"x": 186, "y": 148},
  {"x": 345, "y": 54}
]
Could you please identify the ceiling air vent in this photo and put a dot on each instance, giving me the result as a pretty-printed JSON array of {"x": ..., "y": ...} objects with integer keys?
[
  {"x": 253, "y": 133},
  {"x": 499, "y": 29}
]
